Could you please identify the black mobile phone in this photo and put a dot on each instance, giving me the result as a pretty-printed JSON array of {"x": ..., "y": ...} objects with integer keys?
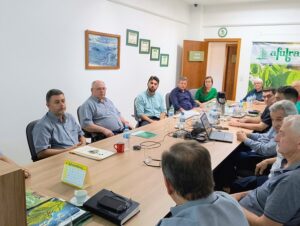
[{"x": 113, "y": 204}]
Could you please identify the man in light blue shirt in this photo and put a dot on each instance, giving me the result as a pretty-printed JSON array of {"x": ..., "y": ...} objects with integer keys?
[
  {"x": 188, "y": 178},
  {"x": 99, "y": 115},
  {"x": 57, "y": 131},
  {"x": 150, "y": 106}
]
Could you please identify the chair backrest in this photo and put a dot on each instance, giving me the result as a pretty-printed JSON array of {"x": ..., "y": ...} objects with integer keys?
[
  {"x": 168, "y": 101},
  {"x": 193, "y": 92},
  {"x": 135, "y": 113},
  {"x": 29, "y": 129},
  {"x": 86, "y": 133}
]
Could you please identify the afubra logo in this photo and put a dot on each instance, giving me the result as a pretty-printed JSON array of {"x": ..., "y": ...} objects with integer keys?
[{"x": 278, "y": 54}]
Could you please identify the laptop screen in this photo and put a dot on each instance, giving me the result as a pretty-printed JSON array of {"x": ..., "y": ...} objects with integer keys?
[{"x": 206, "y": 123}]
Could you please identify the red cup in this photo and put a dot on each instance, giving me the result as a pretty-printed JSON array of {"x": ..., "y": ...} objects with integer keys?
[{"x": 119, "y": 147}]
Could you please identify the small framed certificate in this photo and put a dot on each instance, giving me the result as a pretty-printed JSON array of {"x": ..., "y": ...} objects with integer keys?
[
  {"x": 144, "y": 46},
  {"x": 132, "y": 37},
  {"x": 154, "y": 53}
]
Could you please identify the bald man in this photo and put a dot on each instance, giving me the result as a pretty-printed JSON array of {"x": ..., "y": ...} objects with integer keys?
[{"x": 99, "y": 115}]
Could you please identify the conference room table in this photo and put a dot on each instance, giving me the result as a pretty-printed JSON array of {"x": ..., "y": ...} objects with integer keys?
[{"x": 124, "y": 173}]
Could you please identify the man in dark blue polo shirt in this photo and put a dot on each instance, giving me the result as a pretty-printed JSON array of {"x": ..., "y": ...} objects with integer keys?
[{"x": 180, "y": 97}]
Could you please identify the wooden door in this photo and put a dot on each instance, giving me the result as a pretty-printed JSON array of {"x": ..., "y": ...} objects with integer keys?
[
  {"x": 229, "y": 72},
  {"x": 195, "y": 71}
]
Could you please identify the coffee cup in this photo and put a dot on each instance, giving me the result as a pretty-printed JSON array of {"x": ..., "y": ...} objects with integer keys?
[
  {"x": 119, "y": 147},
  {"x": 80, "y": 196}
]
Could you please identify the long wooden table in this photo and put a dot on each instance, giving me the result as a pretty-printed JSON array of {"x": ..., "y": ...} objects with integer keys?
[{"x": 124, "y": 173}]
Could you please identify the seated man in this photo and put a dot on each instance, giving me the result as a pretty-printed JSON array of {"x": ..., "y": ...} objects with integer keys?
[
  {"x": 276, "y": 201},
  {"x": 57, "y": 131},
  {"x": 7, "y": 160},
  {"x": 150, "y": 105},
  {"x": 99, "y": 115},
  {"x": 262, "y": 145},
  {"x": 287, "y": 93},
  {"x": 257, "y": 91},
  {"x": 188, "y": 178},
  {"x": 263, "y": 123},
  {"x": 180, "y": 97}
]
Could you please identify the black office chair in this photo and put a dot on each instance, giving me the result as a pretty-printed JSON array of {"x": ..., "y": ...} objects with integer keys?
[
  {"x": 168, "y": 101},
  {"x": 94, "y": 136},
  {"x": 29, "y": 129}
]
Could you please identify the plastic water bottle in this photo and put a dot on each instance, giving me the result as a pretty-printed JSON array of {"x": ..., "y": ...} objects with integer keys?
[
  {"x": 171, "y": 111},
  {"x": 181, "y": 121},
  {"x": 126, "y": 137},
  {"x": 213, "y": 116},
  {"x": 249, "y": 103}
]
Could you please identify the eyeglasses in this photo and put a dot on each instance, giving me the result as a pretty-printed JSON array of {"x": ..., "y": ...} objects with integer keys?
[{"x": 267, "y": 96}]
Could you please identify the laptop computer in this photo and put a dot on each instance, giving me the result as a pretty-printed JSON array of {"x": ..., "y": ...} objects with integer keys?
[{"x": 215, "y": 135}]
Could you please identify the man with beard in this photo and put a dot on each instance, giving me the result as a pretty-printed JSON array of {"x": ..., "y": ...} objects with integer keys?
[
  {"x": 150, "y": 106},
  {"x": 57, "y": 131}
]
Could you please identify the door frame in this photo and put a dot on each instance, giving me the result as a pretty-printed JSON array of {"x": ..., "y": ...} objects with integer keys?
[{"x": 231, "y": 40}]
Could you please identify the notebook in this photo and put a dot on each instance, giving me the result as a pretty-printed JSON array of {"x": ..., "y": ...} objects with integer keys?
[
  {"x": 92, "y": 152},
  {"x": 215, "y": 135},
  {"x": 112, "y": 206}
]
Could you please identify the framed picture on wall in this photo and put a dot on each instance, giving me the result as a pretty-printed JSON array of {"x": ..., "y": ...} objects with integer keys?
[
  {"x": 144, "y": 46},
  {"x": 164, "y": 60},
  {"x": 154, "y": 53},
  {"x": 132, "y": 37},
  {"x": 102, "y": 51}
]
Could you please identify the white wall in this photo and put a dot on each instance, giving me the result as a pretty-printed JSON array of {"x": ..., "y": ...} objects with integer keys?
[
  {"x": 276, "y": 21},
  {"x": 42, "y": 47},
  {"x": 216, "y": 62}
]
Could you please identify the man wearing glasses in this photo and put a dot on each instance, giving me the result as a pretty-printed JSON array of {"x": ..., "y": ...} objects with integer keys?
[
  {"x": 188, "y": 178},
  {"x": 262, "y": 124},
  {"x": 98, "y": 114},
  {"x": 150, "y": 105}
]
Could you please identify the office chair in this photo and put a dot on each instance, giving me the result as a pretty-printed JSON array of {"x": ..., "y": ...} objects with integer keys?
[
  {"x": 168, "y": 101},
  {"x": 94, "y": 136},
  {"x": 193, "y": 92},
  {"x": 135, "y": 113},
  {"x": 29, "y": 136}
]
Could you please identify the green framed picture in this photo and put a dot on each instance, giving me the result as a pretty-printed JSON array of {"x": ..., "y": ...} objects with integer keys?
[
  {"x": 144, "y": 47},
  {"x": 132, "y": 37},
  {"x": 164, "y": 60},
  {"x": 154, "y": 53}
]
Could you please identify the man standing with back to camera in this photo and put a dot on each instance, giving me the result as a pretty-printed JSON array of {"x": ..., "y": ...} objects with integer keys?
[{"x": 188, "y": 178}]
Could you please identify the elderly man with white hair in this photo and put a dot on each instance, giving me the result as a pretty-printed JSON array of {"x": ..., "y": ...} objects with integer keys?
[
  {"x": 277, "y": 201},
  {"x": 257, "y": 91},
  {"x": 98, "y": 114}
]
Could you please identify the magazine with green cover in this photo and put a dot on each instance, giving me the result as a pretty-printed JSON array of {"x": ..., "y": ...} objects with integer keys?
[
  {"x": 56, "y": 212},
  {"x": 34, "y": 198}
]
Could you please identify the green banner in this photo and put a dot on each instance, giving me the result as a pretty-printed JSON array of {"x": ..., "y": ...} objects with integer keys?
[{"x": 276, "y": 63}]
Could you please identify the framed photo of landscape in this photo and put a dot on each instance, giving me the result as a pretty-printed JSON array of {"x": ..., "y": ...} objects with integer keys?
[
  {"x": 164, "y": 60},
  {"x": 144, "y": 46},
  {"x": 102, "y": 51},
  {"x": 154, "y": 53},
  {"x": 132, "y": 37}
]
